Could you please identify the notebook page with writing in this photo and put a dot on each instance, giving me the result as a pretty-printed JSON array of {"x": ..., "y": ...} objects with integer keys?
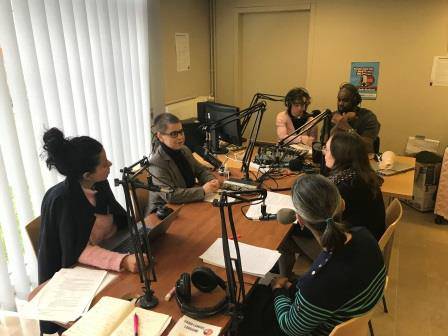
[
  {"x": 150, "y": 323},
  {"x": 102, "y": 319}
]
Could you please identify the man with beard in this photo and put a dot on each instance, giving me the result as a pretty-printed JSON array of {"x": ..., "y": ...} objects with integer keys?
[{"x": 352, "y": 118}]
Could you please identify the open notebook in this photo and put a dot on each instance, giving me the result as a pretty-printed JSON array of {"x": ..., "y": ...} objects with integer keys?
[{"x": 115, "y": 317}]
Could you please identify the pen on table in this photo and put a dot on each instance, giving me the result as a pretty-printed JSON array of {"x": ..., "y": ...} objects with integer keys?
[
  {"x": 170, "y": 294},
  {"x": 135, "y": 324}
]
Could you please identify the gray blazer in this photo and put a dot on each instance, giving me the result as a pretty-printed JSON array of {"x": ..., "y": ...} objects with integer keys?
[{"x": 162, "y": 166}]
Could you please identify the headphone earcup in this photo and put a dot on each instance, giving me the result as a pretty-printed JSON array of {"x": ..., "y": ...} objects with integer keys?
[
  {"x": 183, "y": 288},
  {"x": 204, "y": 279}
]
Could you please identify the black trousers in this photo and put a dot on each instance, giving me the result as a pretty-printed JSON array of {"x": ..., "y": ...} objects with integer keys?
[{"x": 259, "y": 314}]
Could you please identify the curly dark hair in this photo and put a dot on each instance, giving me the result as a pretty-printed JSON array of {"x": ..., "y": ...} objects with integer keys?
[{"x": 72, "y": 157}]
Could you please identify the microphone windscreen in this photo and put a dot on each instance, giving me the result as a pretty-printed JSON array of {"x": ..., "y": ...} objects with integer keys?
[{"x": 286, "y": 216}]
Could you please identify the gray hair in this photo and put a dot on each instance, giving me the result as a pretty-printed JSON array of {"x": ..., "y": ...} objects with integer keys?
[
  {"x": 160, "y": 124},
  {"x": 162, "y": 120},
  {"x": 317, "y": 202}
]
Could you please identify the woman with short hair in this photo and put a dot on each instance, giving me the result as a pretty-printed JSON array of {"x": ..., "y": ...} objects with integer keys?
[{"x": 173, "y": 164}]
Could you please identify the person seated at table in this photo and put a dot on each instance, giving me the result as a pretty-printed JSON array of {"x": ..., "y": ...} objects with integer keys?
[
  {"x": 350, "y": 117},
  {"x": 295, "y": 116},
  {"x": 359, "y": 185},
  {"x": 79, "y": 212},
  {"x": 347, "y": 158},
  {"x": 324, "y": 296},
  {"x": 172, "y": 164}
]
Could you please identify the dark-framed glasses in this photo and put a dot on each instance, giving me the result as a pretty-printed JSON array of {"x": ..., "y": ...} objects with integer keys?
[{"x": 174, "y": 134}]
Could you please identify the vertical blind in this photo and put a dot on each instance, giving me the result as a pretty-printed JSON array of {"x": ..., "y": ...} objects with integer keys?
[{"x": 81, "y": 66}]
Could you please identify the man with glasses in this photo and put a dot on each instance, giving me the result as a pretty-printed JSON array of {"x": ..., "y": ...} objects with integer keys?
[
  {"x": 295, "y": 116},
  {"x": 173, "y": 164}
]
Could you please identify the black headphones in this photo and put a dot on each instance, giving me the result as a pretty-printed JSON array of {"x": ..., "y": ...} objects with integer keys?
[
  {"x": 356, "y": 97},
  {"x": 204, "y": 279},
  {"x": 297, "y": 94}
]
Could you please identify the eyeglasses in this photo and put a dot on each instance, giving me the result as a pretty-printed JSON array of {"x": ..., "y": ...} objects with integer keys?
[{"x": 174, "y": 134}]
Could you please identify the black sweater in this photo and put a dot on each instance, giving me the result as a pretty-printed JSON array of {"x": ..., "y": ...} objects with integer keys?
[
  {"x": 362, "y": 207},
  {"x": 338, "y": 286},
  {"x": 67, "y": 218}
]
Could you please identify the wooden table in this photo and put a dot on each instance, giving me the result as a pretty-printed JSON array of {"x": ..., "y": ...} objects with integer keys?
[
  {"x": 197, "y": 226},
  {"x": 400, "y": 185}
]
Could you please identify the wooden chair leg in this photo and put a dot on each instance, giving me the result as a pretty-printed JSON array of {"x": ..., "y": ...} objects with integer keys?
[
  {"x": 385, "y": 305},
  {"x": 371, "y": 328}
]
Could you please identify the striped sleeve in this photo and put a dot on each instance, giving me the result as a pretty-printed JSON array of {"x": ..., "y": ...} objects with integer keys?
[{"x": 299, "y": 317}]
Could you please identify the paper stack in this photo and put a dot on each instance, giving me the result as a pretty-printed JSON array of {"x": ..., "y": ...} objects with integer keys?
[
  {"x": 274, "y": 202},
  {"x": 67, "y": 295},
  {"x": 255, "y": 260}
]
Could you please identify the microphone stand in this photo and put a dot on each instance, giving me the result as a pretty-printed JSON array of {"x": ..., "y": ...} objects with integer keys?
[
  {"x": 257, "y": 109},
  {"x": 140, "y": 242},
  {"x": 260, "y": 96},
  {"x": 287, "y": 140},
  {"x": 326, "y": 128},
  {"x": 236, "y": 296}
]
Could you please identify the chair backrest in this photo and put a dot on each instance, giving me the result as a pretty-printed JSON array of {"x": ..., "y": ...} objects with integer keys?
[
  {"x": 357, "y": 326},
  {"x": 33, "y": 231},
  {"x": 394, "y": 212},
  {"x": 142, "y": 195}
]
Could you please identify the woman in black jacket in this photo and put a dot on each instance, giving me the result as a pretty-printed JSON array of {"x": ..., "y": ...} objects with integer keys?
[
  {"x": 79, "y": 212},
  {"x": 346, "y": 157}
]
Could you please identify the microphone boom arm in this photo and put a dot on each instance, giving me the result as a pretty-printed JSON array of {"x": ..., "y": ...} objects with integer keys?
[{"x": 287, "y": 140}]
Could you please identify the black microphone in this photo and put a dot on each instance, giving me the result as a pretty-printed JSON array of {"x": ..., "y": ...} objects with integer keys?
[
  {"x": 265, "y": 215},
  {"x": 207, "y": 156},
  {"x": 286, "y": 216},
  {"x": 151, "y": 186}
]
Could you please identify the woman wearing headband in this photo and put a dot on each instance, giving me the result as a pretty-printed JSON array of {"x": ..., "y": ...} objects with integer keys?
[{"x": 295, "y": 116}]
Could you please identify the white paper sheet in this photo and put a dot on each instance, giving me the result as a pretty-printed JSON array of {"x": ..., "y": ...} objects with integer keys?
[
  {"x": 274, "y": 202},
  {"x": 254, "y": 260},
  {"x": 65, "y": 297}
]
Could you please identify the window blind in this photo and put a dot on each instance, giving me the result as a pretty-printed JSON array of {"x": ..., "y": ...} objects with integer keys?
[{"x": 81, "y": 66}]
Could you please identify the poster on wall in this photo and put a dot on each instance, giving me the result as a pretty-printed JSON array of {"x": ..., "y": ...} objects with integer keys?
[
  {"x": 182, "y": 51},
  {"x": 364, "y": 75},
  {"x": 439, "y": 73}
]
